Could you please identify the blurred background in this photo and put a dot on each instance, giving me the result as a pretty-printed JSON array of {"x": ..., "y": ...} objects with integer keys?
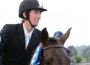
[{"x": 61, "y": 15}]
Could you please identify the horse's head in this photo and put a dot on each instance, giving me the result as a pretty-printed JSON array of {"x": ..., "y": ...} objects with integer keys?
[{"x": 54, "y": 52}]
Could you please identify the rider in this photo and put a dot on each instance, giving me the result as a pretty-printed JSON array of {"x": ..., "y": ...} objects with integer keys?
[{"x": 19, "y": 41}]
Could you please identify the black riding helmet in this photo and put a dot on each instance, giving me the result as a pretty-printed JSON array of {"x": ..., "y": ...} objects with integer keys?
[{"x": 29, "y": 5}]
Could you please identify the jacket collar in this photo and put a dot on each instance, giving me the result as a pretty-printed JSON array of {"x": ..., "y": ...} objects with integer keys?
[{"x": 21, "y": 37}]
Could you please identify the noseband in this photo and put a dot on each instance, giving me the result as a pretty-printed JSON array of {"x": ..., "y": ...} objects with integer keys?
[{"x": 55, "y": 46}]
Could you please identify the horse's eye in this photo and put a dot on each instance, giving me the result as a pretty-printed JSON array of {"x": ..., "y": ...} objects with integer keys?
[{"x": 47, "y": 62}]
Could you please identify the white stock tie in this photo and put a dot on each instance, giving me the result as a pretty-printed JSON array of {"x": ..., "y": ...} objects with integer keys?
[{"x": 27, "y": 41}]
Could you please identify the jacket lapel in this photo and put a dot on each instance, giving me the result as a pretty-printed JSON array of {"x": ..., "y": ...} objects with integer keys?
[
  {"x": 35, "y": 39},
  {"x": 20, "y": 35}
]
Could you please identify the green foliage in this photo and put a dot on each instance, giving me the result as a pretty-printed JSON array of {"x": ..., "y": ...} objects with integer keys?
[
  {"x": 86, "y": 54},
  {"x": 78, "y": 59},
  {"x": 82, "y": 51}
]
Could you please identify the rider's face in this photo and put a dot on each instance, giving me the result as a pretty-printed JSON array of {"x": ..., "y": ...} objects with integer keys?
[{"x": 35, "y": 16}]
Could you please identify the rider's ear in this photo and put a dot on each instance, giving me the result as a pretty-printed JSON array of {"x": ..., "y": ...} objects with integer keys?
[
  {"x": 24, "y": 15},
  {"x": 44, "y": 36},
  {"x": 65, "y": 36}
]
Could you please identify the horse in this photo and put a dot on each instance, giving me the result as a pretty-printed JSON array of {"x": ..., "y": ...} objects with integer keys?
[
  {"x": 54, "y": 52},
  {"x": 51, "y": 50}
]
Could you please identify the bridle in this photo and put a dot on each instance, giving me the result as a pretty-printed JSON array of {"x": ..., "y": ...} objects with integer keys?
[{"x": 54, "y": 46}]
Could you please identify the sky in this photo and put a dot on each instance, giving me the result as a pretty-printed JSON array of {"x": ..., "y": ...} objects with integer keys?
[{"x": 61, "y": 15}]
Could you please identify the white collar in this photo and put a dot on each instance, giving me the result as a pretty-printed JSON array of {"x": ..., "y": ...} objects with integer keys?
[{"x": 26, "y": 32}]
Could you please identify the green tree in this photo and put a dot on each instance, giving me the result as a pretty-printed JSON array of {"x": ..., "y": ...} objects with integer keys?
[
  {"x": 72, "y": 50},
  {"x": 78, "y": 58},
  {"x": 86, "y": 53}
]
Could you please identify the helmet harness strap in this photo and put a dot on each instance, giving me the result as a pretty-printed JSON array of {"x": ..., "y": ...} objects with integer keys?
[{"x": 28, "y": 18}]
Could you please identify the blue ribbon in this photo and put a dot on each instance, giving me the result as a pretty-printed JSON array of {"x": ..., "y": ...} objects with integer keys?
[{"x": 36, "y": 57}]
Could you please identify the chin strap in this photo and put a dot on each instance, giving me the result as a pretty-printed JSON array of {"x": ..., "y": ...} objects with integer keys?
[
  {"x": 31, "y": 23},
  {"x": 28, "y": 18}
]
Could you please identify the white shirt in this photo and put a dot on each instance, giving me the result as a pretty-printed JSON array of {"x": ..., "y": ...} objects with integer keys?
[{"x": 27, "y": 36}]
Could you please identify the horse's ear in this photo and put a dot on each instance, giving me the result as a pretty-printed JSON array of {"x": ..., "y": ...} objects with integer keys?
[
  {"x": 65, "y": 36},
  {"x": 44, "y": 36}
]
